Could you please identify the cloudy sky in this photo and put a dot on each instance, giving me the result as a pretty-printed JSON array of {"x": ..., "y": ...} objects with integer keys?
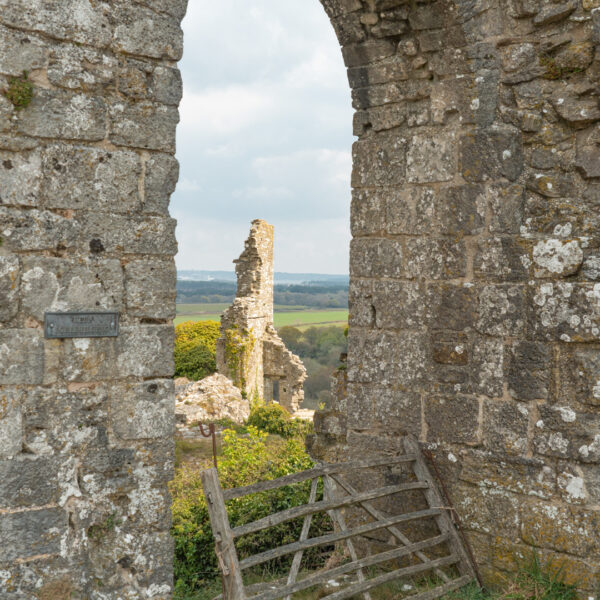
[{"x": 265, "y": 132}]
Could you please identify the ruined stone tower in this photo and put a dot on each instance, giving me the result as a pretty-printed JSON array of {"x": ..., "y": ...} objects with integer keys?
[{"x": 249, "y": 350}]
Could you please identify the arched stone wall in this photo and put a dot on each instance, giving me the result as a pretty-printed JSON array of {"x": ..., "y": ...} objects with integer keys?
[{"x": 474, "y": 307}]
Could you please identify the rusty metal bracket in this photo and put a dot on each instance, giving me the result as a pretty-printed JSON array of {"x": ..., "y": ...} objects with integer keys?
[{"x": 210, "y": 434}]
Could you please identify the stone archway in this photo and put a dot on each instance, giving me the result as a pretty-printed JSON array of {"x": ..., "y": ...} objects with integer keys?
[{"x": 474, "y": 307}]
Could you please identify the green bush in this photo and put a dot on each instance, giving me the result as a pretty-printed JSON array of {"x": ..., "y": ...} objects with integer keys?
[
  {"x": 246, "y": 459},
  {"x": 196, "y": 349},
  {"x": 275, "y": 419}
]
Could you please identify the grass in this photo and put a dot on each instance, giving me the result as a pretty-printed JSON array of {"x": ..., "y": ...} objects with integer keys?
[{"x": 297, "y": 316}]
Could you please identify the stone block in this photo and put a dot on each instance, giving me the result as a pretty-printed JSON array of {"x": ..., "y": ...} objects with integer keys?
[
  {"x": 175, "y": 8},
  {"x": 566, "y": 529},
  {"x": 20, "y": 176},
  {"x": 379, "y": 161},
  {"x": 360, "y": 303},
  {"x": 388, "y": 116},
  {"x": 90, "y": 178},
  {"x": 450, "y": 348},
  {"x": 571, "y": 483},
  {"x": 9, "y": 286},
  {"x": 132, "y": 235},
  {"x": 20, "y": 52},
  {"x": 142, "y": 351},
  {"x": 487, "y": 366},
  {"x": 373, "y": 257},
  {"x": 143, "y": 125},
  {"x": 551, "y": 184},
  {"x": 435, "y": 258},
  {"x": 387, "y": 70},
  {"x": 431, "y": 159},
  {"x": 505, "y": 426},
  {"x": 28, "y": 481},
  {"x": 367, "y": 52},
  {"x": 387, "y": 358},
  {"x": 31, "y": 533},
  {"x": 427, "y": 17},
  {"x": 74, "y": 20},
  {"x": 89, "y": 359},
  {"x": 503, "y": 259},
  {"x": 143, "y": 32},
  {"x": 474, "y": 99},
  {"x": 330, "y": 423},
  {"x": 81, "y": 68},
  {"x": 450, "y": 61},
  {"x": 146, "y": 351},
  {"x": 21, "y": 357},
  {"x": 461, "y": 210},
  {"x": 569, "y": 312},
  {"x": 491, "y": 153},
  {"x": 506, "y": 201},
  {"x": 55, "y": 114},
  {"x": 502, "y": 310},
  {"x": 453, "y": 420},
  {"x": 411, "y": 210},
  {"x": 564, "y": 432},
  {"x": 150, "y": 288},
  {"x": 579, "y": 374},
  {"x": 166, "y": 85},
  {"x": 529, "y": 368},
  {"x": 54, "y": 284},
  {"x": 349, "y": 30},
  {"x": 56, "y": 420},
  {"x": 374, "y": 406},
  {"x": 488, "y": 511},
  {"x": 36, "y": 230},
  {"x": 11, "y": 424},
  {"x": 399, "y": 305},
  {"x": 368, "y": 211},
  {"x": 451, "y": 306},
  {"x": 146, "y": 410},
  {"x": 162, "y": 171},
  {"x": 512, "y": 474}
]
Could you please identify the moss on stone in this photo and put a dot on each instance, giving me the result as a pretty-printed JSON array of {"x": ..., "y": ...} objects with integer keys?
[{"x": 20, "y": 91}]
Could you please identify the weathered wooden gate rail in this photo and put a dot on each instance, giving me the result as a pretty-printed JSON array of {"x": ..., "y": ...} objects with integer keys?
[{"x": 332, "y": 477}]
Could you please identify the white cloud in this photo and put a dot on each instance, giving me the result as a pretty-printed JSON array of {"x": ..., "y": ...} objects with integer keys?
[
  {"x": 225, "y": 111},
  {"x": 265, "y": 132},
  {"x": 213, "y": 244}
]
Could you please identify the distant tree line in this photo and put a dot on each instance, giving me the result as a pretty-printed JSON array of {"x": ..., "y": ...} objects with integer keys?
[
  {"x": 320, "y": 295},
  {"x": 320, "y": 349}
]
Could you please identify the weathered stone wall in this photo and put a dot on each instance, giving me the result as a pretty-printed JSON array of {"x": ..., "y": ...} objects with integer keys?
[
  {"x": 86, "y": 171},
  {"x": 249, "y": 351},
  {"x": 474, "y": 302}
]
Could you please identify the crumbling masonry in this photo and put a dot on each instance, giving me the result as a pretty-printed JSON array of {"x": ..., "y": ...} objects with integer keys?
[
  {"x": 249, "y": 350},
  {"x": 475, "y": 277}
]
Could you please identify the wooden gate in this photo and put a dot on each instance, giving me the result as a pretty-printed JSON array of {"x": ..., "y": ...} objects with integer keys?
[{"x": 338, "y": 494}]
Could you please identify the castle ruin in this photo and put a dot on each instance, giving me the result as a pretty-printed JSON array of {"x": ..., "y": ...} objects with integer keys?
[
  {"x": 475, "y": 277},
  {"x": 249, "y": 350}
]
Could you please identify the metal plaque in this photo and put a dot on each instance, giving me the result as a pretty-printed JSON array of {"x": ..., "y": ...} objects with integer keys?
[{"x": 81, "y": 324}]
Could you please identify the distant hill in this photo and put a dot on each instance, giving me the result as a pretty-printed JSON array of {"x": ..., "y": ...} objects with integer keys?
[
  {"x": 280, "y": 277},
  {"x": 290, "y": 289}
]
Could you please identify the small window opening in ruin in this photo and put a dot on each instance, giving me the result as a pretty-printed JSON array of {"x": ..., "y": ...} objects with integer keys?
[{"x": 276, "y": 390}]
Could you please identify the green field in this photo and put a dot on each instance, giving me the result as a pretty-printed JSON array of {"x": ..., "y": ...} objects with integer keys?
[{"x": 298, "y": 316}]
